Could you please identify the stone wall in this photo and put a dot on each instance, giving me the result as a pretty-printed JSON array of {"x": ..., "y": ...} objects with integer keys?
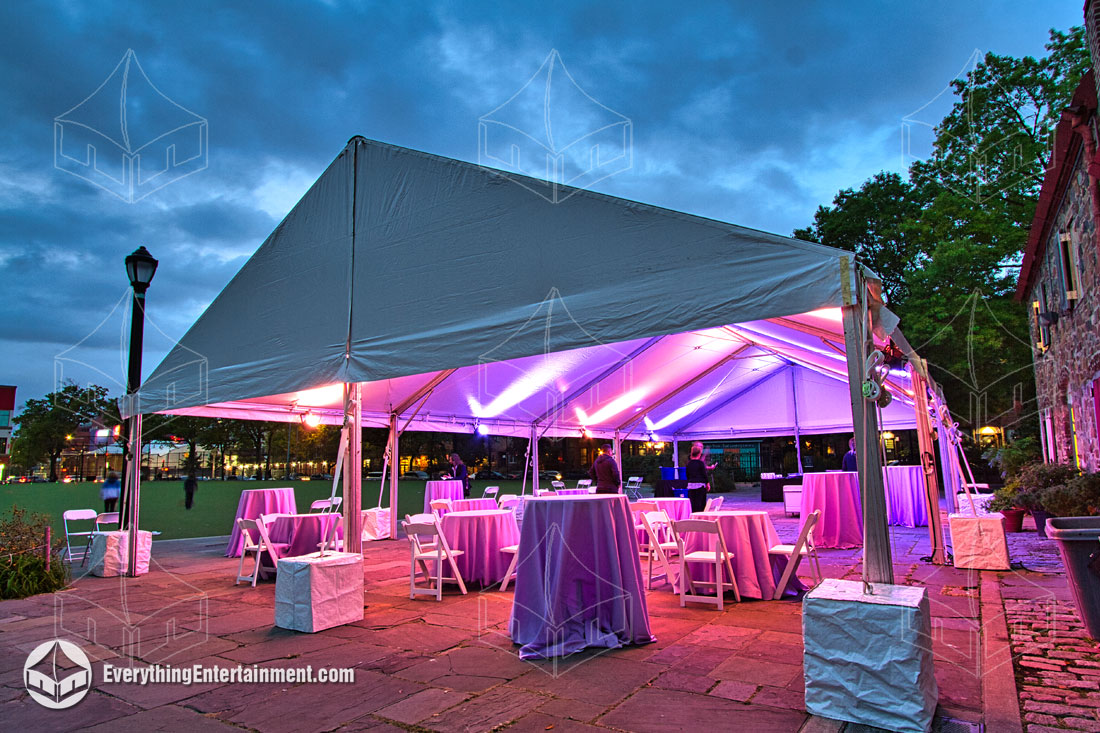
[{"x": 1068, "y": 370}]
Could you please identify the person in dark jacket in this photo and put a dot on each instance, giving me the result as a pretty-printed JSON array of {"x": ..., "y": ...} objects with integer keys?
[
  {"x": 109, "y": 492},
  {"x": 605, "y": 472},
  {"x": 697, "y": 478},
  {"x": 849, "y": 463},
  {"x": 190, "y": 484},
  {"x": 459, "y": 472}
]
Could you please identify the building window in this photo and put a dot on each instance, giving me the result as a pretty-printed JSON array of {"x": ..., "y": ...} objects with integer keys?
[
  {"x": 5, "y": 418},
  {"x": 1046, "y": 435},
  {"x": 1068, "y": 266},
  {"x": 1040, "y": 326}
]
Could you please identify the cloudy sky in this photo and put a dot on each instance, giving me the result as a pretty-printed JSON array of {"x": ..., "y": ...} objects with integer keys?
[{"x": 740, "y": 111}]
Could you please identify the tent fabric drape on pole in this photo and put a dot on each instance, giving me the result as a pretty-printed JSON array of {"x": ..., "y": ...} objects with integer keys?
[{"x": 353, "y": 470}]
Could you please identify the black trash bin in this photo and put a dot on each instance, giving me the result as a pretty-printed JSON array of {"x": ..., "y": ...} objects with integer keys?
[{"x": 1078, "y": 540}]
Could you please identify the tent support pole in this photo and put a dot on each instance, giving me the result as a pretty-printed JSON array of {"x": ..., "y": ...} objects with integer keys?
[
  {"x": 134, "y": 498},
  {"x": 617, "y": 453},
  {"x": 675, "y": 451},
  {"x": 353, "y": 469},
  {"x": 534, "y": 448},
  {"x": 394, "y": 464},
  {"x": 928, "y": 465},
  {"x": 797, "y": 433},
  {"x": 877, "y": 563}
]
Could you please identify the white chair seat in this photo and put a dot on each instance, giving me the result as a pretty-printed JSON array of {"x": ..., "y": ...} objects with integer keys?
[
  {"x": 433, "y": 554},
  {"x": 703, "y": 556},
  {"x": 786, "y": 550}
]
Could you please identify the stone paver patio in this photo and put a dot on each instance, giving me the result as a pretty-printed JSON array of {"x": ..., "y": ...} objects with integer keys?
[{"x": 449, "y": 666}]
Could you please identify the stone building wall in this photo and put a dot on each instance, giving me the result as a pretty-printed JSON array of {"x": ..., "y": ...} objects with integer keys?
[{"x": 1068, "y": 370}]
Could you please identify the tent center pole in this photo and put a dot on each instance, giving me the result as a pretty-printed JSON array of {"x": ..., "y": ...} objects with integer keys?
[
  {"x": 394, "y": 463},
  {"x": 353, "y": 468}
]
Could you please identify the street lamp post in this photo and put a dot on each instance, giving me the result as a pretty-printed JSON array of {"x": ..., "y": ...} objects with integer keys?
[{"x": 140, "y": 268}]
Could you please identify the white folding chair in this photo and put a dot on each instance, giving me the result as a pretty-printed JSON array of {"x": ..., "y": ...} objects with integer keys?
[
  {"x": 329, "y": 540},
  {"x": 490, "y": 492},
  {"x": 638, "y": 508},
  {"x": 512, "y": 550},
  {"x": 105, "y": 518},
  {"x": 585, "y": 483},
  {"x": 439, "y": 552},
  {"x": 78, "y": 515},
  {"x": 719, "y": 558},
  {"x": 507, "y": 501},
  {"x": 633, "y": 487},
  {"x": 326, "y": 505},
  {"x": 658, "y": 529},
  {"x": 557, "y": 485},
  {"x": 714, "y": 504},
  {"x": 256, "y": 546},
  {"x": 440, "y": 507},
  {"x": 803, "y": 547}
]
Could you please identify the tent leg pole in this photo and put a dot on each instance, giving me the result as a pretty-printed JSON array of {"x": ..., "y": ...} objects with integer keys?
[
  {"x": 617, "y": 453},
  {"x": 353, "y": 469},
  {"x": 797, "y": 433},
  {"x": 675, "y": 452},
  {"x": 394, "y": 463},
  {"x": 928, "y": 464},
  {"x": 135, "y": 494},
  {"x": 877, "y": 563}
]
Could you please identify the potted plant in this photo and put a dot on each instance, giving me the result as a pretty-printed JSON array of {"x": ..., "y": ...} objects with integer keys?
[
  {"x": 1006, "y": 500},
  {"x": 1036, "y": 481},
  {"x": 1076, "y": 530}
]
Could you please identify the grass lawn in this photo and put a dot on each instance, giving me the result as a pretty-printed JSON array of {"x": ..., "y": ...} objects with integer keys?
[{"x": 215, "y": 502}]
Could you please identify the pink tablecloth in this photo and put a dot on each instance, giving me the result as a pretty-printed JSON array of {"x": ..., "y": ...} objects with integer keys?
[
  {"x": 573, "y": 492},
  {"x": 748, "y": 535},
  {"x": 441, "y": 490},
  {"x": 480, "y": 534},
  {"x": 465, "y": 505},
  {"x": 906, "y": 502},
  {"x": 836, "y": 494},
  {"x": 303, "y": 532},
  {"x": 579, "y": 579},
  {"x": 676, "y": 508},
  {"x": 255, "y": 502}
]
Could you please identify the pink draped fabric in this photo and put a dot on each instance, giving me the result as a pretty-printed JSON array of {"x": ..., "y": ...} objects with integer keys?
[
  {"x": 252, "y": 504},
  {"x": 748, "y": 535},
  {"x": 906, "y": 502},
  {"x": 836, "y": 494},
  {"x": 480, "y": 534},
  {"x": 464, "y": 505},
  {"x": 441, "y": 490},
  {"x": 303, "y": 532},
  {"x": 579, "y": 579},
  {"x": 573, "y": 492}
]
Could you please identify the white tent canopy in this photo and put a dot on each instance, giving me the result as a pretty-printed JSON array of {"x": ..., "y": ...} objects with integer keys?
[{"x": 453, "y": 297}]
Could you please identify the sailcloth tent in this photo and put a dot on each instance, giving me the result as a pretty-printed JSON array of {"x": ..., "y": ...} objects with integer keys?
[{"x": 408, "y": 290}]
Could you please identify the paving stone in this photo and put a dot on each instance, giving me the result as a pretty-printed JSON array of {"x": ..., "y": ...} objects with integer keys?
[
  {"x": 680, "y": 681},
  {"x": 778, "y": 697},
  {"x": 261, "y": 645},
  {"x": 656, "y": 710},
  {"x": 23, "y": 714},
  {"x": 421, "y": 705},
  {"x": 760, "y": 671},
  {"x": 739, "y": 691},
  {"x": 600, "y": 680},
  {"x": 467, "y": 682},
  {"x": 541, "y": 721},
  {"x": 564, "y": 708},
  {"x": 421, "y": 637},
  {"x": 488, "y": 711},
  {"x": 168, "y": 718}
]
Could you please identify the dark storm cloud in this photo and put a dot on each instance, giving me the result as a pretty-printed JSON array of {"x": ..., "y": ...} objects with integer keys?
[{"x": 750, "y": 112}]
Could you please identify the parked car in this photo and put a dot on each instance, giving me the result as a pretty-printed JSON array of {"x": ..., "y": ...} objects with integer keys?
[
  {"x": 484, "y": 475},
  {"x": 415, "y": 475},
  {"x": 550, "y": 475},
  {"x": 374, "y": 476}
]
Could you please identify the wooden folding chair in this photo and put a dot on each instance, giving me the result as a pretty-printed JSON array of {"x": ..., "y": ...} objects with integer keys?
[
  {"x": 658, "y": 529},
  {"x": 78, "y": 515},
  {"x": 510, "y": 573},
  {"x": 803, "y": 546},
  {"x": 257, "y": 546},
  {"x": 440, "y": 507},
  {"x": 720, "y": 557}
]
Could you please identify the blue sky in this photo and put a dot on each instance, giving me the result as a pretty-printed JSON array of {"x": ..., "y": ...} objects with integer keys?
[{"x": 744, "y": 112}]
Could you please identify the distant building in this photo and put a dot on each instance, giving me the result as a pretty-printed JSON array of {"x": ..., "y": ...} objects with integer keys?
[
  {"x": 1060, "y": 283},
  {"x": 7, "y": 411}
]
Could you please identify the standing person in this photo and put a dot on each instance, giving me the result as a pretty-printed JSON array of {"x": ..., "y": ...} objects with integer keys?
[
  {"x": 109, "y": 492},
  {"x": 459, "y": 472},
  {"x": 189, "y": 485},
  {"x": 698, "y": 482},
  {"x": 605, "y": 472},
  {"x": 849, "y": 463}
]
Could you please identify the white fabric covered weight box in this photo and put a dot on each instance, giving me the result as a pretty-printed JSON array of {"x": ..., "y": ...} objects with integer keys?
[
  {"x": 868, "y": 658},
  {"x": 110, "y": 553},
  {"x": 376, "y": 524},
  {"x": 314, "y": 592},
  {"x": 979, "y": 543}
]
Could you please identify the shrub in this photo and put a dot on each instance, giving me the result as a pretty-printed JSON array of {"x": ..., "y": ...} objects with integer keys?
[
  {"x": 1036, "y": 479},
  {"x": 1011, "y": 458},
  {"x": 1078, "y": 497},
  {"x": 1005, "y": 498},
  {"x": 22, "y": 556}
]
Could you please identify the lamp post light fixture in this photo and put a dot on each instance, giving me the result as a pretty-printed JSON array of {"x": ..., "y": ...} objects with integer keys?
[{"x": 140, "y": 268}]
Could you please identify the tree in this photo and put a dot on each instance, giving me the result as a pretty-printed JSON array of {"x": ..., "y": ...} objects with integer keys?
[
  {"x": 45, "y": 426},
  {"x": 876, "y": 222},
  {"x": 219, "y": 436}
]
